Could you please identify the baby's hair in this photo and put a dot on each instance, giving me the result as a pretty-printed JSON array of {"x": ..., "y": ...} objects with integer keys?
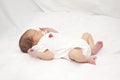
[{"x": 26, "y": 41}]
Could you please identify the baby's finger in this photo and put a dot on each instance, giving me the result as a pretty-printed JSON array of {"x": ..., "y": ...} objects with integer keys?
[
  {"x": 42, "y": 29},
  {"x": 93, "y": 62}
]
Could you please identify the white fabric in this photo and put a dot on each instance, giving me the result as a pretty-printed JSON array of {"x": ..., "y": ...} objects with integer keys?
[
  {"x": 106, "y": 7},
  {"x": 87, "y": 6},
  {"x": 61, "y": 45},
  {"x": 110, "y": 7},
  {"x": 15, "y": 65},
  {"x": 18, "y": 15}
]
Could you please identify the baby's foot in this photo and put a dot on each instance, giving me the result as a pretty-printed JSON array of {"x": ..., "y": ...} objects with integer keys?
[
  {"x": 97, "y": 47},
  {"x": 91, "y": 60}
]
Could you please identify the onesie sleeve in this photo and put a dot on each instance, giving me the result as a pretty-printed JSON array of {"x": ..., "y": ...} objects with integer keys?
[{"x": 39, "y": 48}]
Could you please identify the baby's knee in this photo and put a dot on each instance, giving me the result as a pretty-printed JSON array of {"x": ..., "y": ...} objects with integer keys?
[
  {"x": 86, "y": 34},
  {"x": 75, "y": 54}
]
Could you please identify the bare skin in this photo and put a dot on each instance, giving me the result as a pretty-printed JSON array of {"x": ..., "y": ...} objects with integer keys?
[
  {"x": 97, "y": 47},
  {"x": 76, "y": 54},
  {"x": 46, "y": 55}
]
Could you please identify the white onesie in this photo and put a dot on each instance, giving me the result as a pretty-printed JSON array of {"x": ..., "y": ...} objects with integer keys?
[{"x": 60, "y": 45}]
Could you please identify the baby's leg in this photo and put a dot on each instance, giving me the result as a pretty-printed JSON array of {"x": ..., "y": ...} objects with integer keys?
[
  {"x": 97, "y": 47},
  {"x": 87, "y": 37},
  {"x": 77, "y": 55},
  {"x": 94, "y": 48}
]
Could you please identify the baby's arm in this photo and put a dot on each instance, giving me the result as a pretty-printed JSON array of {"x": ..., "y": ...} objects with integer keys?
[
  {"x": 46, "y": 55},
  {"x": 49, "y": 30}
]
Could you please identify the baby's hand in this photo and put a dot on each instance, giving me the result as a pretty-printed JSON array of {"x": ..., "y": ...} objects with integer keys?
[
  {"x": 31, "y": 51},
  {"x": 91, "y": 60},
  {"x": 42, "y": 29}
]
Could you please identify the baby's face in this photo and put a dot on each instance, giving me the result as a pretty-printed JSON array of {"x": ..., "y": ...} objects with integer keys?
[{"x": 36, "y": 35}]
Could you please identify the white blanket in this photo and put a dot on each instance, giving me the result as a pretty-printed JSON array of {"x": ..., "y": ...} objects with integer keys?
[{"x": 15, "y": 65}]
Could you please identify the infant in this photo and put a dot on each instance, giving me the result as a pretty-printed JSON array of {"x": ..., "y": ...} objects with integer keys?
[{"x": 47, "y": 44}]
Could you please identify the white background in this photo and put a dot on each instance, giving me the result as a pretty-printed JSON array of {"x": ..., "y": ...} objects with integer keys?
[{"x": 99, "y": 17}]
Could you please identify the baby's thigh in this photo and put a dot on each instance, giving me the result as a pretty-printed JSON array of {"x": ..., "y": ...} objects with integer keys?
[{"x": 76, "y": 54}]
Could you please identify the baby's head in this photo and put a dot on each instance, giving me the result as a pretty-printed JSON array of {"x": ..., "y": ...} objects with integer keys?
[{"x": 29, "y": 39}]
